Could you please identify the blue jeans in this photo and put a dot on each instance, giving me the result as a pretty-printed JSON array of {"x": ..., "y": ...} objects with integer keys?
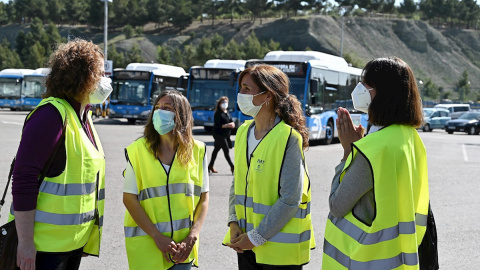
[{"x": 181, "y": 266}]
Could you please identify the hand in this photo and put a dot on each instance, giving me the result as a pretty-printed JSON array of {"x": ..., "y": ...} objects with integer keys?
[
  {"x": 241, "y": 243},
  {"x": 26, "y": 254},
  {"x": 231, "y": 125},
  {"x": 235, "y": 232},
  {"x": 347, "y": 132},
  {"x": 184, "y": 248},
  {"x": 166, "y": 245}
]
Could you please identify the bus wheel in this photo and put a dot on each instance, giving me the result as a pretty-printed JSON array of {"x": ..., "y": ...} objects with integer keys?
[
  {"x": 328, "y": 133},
  {"x": 131, "y": 121}
]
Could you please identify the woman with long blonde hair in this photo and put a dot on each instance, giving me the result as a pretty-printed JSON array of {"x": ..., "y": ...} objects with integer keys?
[{"x": 166, "y": 189}]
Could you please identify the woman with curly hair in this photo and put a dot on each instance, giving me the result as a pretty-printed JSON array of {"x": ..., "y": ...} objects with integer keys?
[
  {"x": 59, "y": 220},
  {"x": 270, "y": 223},
  {"x": 166, "y": 189}
]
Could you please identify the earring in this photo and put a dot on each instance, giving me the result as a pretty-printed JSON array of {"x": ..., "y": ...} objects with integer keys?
[{"x": 268, "y": 102}]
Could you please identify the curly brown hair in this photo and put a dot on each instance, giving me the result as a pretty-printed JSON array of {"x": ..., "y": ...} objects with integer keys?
[
  {"x": 75, "y": 70},
  {"x": 182, "y": 131},
  {"x": 397, "y": 99},
  {"x": 287, "y": 106}
]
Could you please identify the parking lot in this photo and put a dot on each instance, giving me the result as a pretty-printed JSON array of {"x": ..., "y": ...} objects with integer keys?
[{"x": 454, "y": 176}]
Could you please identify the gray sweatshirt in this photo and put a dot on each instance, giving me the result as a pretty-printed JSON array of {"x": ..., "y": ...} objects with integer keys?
[{"x": 355, "y": 192}]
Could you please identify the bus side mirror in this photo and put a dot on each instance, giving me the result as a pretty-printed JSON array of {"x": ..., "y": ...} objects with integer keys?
[
  {"x": 314, "y": 86},
  {"x": 182, "y": 82},
  {"x": 233, "y": 77}
]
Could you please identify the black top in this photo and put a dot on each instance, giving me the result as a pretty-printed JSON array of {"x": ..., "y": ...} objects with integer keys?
[{"x": 221, "y": 118}]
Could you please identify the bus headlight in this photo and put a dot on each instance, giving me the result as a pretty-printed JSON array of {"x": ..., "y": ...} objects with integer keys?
[
  {"x": 145, "y": 113},
  {"x": 111, "y": 112}
]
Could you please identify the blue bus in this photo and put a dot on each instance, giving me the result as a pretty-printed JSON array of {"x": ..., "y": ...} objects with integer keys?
[
  {"x": 33, "y": 88},
  {"x": 11, "y": 87},
  {"x": 322, "y": 83},
  {"x": 207, "y": 83},
  {"x": 136, "y": 87}
]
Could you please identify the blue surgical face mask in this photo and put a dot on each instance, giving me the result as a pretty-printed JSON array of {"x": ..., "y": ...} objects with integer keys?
[{"x": 163, "y": 121}]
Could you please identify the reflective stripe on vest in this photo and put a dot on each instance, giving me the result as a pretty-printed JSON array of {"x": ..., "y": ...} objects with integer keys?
[
  {"x": 397, "y": 158},
  {"x": 389, "y": 263},
  {"x": 259, "y": 208},
  {"x": 154, "y": 192},
  {"x": 163, "y": 227}
]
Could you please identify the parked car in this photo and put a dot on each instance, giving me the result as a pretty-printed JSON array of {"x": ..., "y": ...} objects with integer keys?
[
  {"x": 455, "y": 109},
  {"x": 461, "y": 123},
  {"x": 434, "y": 118},
  {"x": 473, "y": 128}
]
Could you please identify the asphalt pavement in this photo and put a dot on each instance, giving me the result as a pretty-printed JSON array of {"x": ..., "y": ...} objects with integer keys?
[{"x": 454, "y": 171}]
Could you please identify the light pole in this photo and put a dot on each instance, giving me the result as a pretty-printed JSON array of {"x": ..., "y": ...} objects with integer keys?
[
  {"x": 105, "y": 26},
  {"x": 344, "y": 9},
  {"x": 420, "y": 82}
]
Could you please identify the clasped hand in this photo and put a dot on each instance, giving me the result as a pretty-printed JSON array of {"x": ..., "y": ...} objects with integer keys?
[
  {"x": 348, "y": 133},
  {"x": 177, "y": 252},
  {"x": 238, "y": 240}
]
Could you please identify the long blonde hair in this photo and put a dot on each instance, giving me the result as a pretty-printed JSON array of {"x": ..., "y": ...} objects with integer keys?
[{"x": 182, "y": 130}]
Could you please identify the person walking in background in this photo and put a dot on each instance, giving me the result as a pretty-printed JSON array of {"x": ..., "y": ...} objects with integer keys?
[
  {"x": 270, "y": 224},
  {"x": 61, "y": 219},
  {"x": 166, "y": 189},
  {"x": 379, "y": 197},
  {"x": 222, "y": 127}
]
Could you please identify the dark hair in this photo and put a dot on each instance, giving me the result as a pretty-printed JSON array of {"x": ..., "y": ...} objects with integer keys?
[
  {"x": 219, "y": 102},
  {"x": 182, "y": 131},
  {"x": 75, "y": 70},
  {"x": 397, "y": 100},
  {"x": 287, "y": 106}
]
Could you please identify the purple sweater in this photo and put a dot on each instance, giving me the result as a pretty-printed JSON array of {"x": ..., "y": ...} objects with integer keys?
[{"x": 41, "y": 132}]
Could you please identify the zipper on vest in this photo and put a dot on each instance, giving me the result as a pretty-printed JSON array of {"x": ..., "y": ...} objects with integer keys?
[{"x": 168, "y": 194}]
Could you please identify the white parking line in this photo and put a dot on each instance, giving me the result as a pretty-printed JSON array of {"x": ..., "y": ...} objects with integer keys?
[
  {"x": 465, "y": 156},
  {"x": 12, "y": 123}
]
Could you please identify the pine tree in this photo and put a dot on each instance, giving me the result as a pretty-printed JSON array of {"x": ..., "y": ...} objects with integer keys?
[{"x": 134, "y": 55}]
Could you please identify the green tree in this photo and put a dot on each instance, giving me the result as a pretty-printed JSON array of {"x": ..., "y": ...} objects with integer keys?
[
  {"x": 3, "y": 14},
  {"x": 189, "y": 57},
  {"x": 117, "y": 57},
  {"x": 96, "y": 14},
  {"x": 177, "y": 59},
  {"x": 463, "y": 86},
  {"x": 204, "y": 51},
  {"x": 8, "y": 58},
  {"x": 232, "y": 51},
  {"x": 408, "y": 7},
  {"x": 35, "y": 56},
  {"x": 38, "y": 9},
  {"x": 56, "y": 10},
  {"x": 163, "y": 55},
  {"x": 252, "y": 48},
  {"x": 430, "y": 89},
  {"x": 134, "y": 55},
  {"x": 182, "y": 15},
  {"x": 77, "y": 11},
  {"x": 128, "y": 31}
]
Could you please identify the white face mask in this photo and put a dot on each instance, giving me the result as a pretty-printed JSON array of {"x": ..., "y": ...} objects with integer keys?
[
  {"x": 361, "y": 98},
  {"x": 101, "y": 93},
  {"x": 245, "y": 103},
  {"x": 224, "y": 105},
  {"x": 163, "y": 121}
]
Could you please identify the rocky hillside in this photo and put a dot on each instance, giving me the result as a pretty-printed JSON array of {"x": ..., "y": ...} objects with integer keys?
[{"x": 439, "y": 54}]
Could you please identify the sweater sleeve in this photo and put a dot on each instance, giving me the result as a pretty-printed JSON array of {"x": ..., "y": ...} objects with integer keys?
[
  {"x": 291, "y": 186},
  {"x": 357, "y": 181},
  {"x": 40, "y": 134}
]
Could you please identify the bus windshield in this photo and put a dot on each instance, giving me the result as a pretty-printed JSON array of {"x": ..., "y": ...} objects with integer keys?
[
  {"x": 297, "y": 87},
  {"x": 33, "y": 87},
  {"x": 10, "y": 88},
  {"x": 130, "y": 92},
  {"x": 205, "y": 93}
]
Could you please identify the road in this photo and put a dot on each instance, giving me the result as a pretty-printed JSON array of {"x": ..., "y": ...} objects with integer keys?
[{"x": 454, "y": 170}]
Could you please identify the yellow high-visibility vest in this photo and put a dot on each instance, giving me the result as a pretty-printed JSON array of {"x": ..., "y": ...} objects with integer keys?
[
  {"x": 169, "y": 199},
  {"x": 70, "y": 207},
  {"x": 398, "y": 162},
  {"x": 257, "y": 189}
]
